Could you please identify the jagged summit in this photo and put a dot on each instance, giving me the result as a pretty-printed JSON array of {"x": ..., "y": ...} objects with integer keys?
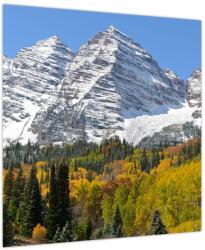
[
  {"x": 112, "y": 29},
  {"x": 53, "y": 41},
  {"x": 171, "y": 74},
  {"x": 117, "y": 34}
]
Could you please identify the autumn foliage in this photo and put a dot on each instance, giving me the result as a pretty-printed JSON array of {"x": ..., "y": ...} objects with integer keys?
[
  {"x": 111, "y": 190},
  {"x": 39, "y": 233}
]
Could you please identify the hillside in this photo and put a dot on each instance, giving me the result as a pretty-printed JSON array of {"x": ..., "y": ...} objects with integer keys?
[{"x": 105, "y": 186}]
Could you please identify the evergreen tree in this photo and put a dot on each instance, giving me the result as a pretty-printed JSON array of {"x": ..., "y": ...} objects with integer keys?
[
  {"x": 9, "y": 194},
  {"x": 117, "y": 224},
  {"x": 155, "y": 160},
  {"x": 8, "y": 184},
  {"x": 32, "y": 205},
  {"x": 8, "y": 232},
  {"x": 57, "y": 235},
  {"x": 88, "y": 229},
  {"x": 18, "y": 188},
  {"x": 51, "y": 219},
  {"x": 64, "y": 209},
  {"x": 67, "y": 233},
  {"x": 144, "y": 162},
  {"x": 157, "y": 226},
  {"x": 36, "y": 205}
]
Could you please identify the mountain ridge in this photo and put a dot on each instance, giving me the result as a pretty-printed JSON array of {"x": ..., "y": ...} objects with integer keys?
[{"x": 104, "y": 90}]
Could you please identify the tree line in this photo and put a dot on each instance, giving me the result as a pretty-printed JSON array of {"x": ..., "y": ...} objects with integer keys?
[{"x": 107, "y": 211}]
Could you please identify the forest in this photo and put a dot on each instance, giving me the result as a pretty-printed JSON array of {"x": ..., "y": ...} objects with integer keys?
[{"x": 85, "y": 191}]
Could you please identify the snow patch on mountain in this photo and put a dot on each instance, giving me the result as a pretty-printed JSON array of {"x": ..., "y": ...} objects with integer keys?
[{"x": 146, "y": 125}]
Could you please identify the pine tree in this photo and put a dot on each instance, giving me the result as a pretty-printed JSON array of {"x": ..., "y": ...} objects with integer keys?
[
  {"x": 67, "y": 233},
  {"x": 9, "y": 194},
  {"x": 36, "y": 205},
  {"x": 8, "y": 232},
  {"x": 155, "y": 159},
  {"x": 8, "y": 184},
  {"x": 88, "y": 229},
  {"x": 51, "y": 219},
  {"x": 64, "y": 209},
  {"x": 57, "y": 235},
  {"x": 144, "y": 162},
  {"x": 18, "y": 188},
  {"x": 32, "y": 205},
  {"x": 117, "y": 224},
  {"x": 157, "y": 226}
]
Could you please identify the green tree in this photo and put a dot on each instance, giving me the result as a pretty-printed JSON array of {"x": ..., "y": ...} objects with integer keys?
[
  {"x": 144, "y": 162},
  {"x": 157, "y": 226},
  {"x": 93, "y": 204},
  {"x": 57, "y": 235},
  {"x": 8, "y": 184},
  {"x": 88, "y": 228},
  {"x": 51, "y": 219},
  {"x": 8, "y": 232},
  {"x": 117, "y": 224},
  {"x": 18, "y": 188},
  {"x": 106, "y": 205},
  {"x": 155, "y": 159},
  {"x": 67, "y": 233},
  {"x": 32, "y": 205},
  {"x": 64, "y": 212}
]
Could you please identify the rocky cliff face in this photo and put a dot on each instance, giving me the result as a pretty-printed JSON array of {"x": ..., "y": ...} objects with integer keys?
[
  {"x": 171, "y": 135},
  {"x": 194, "y": 92},
  {"x": 186, "y": 124},
  {"x": 30, "y": 82},
  {"x": 112, "y": 86},
  {"x": 111, "y": 79}
]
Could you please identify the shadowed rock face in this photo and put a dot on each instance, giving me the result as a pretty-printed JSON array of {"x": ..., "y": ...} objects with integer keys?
[
  {"x": 92, "y": 95},
  {"x": 30, "y": 82},
  {"x": 171, "y": 135},
  {"x": 194, "y": 92},
  {"x": 110, "y": 79}
]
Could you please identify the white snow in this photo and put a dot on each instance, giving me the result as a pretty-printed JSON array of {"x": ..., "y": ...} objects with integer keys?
[
  {"x": 148, "y": 124},
  {"x": 20, "y": 130}
]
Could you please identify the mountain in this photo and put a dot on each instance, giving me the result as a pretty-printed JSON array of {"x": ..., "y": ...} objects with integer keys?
[
  {"x": 194, "y": 92},
  {"x": 30, "y": 83},
  {"x": 112, "y": 86},
  {"x": 188, "y": 121}
]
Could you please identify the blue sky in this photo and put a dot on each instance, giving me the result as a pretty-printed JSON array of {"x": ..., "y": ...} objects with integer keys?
[{"x": 174, "y": 43}]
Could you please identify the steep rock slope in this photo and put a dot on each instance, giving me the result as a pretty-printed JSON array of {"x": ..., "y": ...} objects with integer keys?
[
  {"x": 186, "y": 122},
  {"x": 30, "y": 83},
  {"x": 194, "y": 92},
  {"x": 111, "y": 81}
]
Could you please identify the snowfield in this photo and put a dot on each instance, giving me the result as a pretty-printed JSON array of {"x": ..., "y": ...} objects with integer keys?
[{"x": 146, "y": 125}]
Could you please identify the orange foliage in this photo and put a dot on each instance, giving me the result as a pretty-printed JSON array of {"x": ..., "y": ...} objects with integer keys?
[{"x": 39, "y": 233}]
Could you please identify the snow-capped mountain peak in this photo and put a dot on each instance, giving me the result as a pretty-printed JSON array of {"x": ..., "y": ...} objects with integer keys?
[
  {"x": 29, "y": 84},
  {"x": 112, "y": 86},
  {"x": 170, "y": 74}
]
